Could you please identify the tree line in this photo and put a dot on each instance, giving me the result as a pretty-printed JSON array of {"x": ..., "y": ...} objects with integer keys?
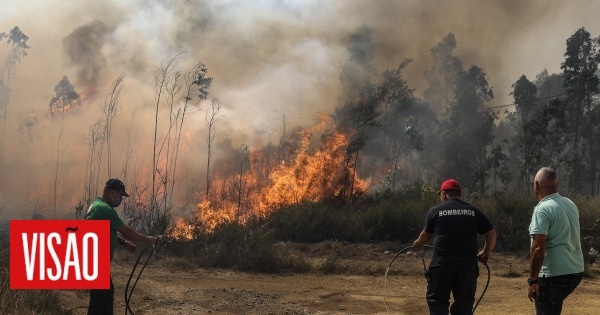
[{"x": 453, "y": 131}]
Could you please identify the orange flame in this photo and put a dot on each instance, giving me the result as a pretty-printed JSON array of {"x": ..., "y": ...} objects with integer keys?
[
  {"x": 59, "y": 107},
  {"x": 184, "y": 231},
  {"x": 31, "y": 115},
  {"x": 316, "y": 172}
]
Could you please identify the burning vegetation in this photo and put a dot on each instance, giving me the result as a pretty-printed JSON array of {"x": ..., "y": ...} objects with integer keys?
[
  {"x": 315, "y": 171},
  {"x": 66, "y": 99},
  {"x": 380, "y": 129}
]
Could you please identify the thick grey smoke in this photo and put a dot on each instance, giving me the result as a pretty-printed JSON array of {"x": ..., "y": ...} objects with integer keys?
[
  {"x": 267, "y": 58},
  {"x": 83, "y": 50}
]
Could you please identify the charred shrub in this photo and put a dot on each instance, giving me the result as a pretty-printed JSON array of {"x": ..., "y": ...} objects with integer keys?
[{"x": 331, "y": 265}]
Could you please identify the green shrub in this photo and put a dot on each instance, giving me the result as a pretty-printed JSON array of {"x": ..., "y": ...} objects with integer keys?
[
  {"x": 510, "y": 214},
  {"x": 589, "y": 217},
  {"x": 394, "y": 218},
  {"x": 390, "y": 216},
  {"x": 378, "y": 217},
  {"x": 250, "y": 247}
]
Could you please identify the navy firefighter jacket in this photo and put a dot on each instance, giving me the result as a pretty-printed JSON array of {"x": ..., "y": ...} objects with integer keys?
[{"x": 455, "y": 224}]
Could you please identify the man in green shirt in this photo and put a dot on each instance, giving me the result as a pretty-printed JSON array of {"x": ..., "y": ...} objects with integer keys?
[
  {"x": 101, "y": 301},
  {"x": 556, "y": 265}
]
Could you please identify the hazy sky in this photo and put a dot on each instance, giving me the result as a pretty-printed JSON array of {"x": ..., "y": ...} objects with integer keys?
[
  {"x": 266, "y": 57},
  {"x": 286, "y": 55}
]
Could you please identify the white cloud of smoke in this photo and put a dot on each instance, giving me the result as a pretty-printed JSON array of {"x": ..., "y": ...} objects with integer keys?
[{"x": 266, "y": 58}]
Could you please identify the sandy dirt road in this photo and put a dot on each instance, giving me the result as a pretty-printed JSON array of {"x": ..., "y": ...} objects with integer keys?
[{"x": 168, "y": 288}]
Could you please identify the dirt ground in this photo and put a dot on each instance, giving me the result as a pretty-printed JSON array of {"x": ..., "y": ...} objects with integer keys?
[{"x": 359, "y": 286}]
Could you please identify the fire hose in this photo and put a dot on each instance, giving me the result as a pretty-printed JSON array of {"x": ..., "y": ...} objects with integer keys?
[
  {"x": 426, "y": 273},
  {"x": 128, "y": 291}
]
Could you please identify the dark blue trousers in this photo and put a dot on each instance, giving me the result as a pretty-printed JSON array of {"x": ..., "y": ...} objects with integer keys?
[
  {"x": 102, "y": 301},
  {"x": 458, "y": 278},
  {"x": 553, "y": 291}
]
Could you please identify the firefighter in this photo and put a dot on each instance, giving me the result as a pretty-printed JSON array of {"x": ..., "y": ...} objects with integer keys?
[{"x": 453, "y": 225}]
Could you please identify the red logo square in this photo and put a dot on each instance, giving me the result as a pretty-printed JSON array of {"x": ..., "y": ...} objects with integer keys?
[{"x": 59, "y": 254}]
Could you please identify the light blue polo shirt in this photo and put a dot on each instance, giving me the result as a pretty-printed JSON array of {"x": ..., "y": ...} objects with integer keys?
[{"x": 557, "y": 217}]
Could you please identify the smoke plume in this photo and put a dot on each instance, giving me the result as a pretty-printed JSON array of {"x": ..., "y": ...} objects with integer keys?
[{"x": 267, "y": 58}]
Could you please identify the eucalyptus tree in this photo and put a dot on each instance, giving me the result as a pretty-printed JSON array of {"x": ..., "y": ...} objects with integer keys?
[
  {"x": 177, "y": 92},
  {"x": 582, "y": 84},
  {"x": 400, "y": 134},
  {"x": 524, "y": 94},
  {"x": 65, "y": 101},
  {"x": 212, "y": 119},
  {"x": 468, "y": 131},
  {"x": 499, "y": 165},
  {"x": 111, "y": 105},
  {"x": 548, "y": 128},
  {"x": 95, "y": 140},
  {"x": 17, "y": 49},
  {"x": 443, "y": 76},
  {"x": 99, "y": 136},
  {"x": 196, "y": 84},
  {"x": 359, "y": 108}
]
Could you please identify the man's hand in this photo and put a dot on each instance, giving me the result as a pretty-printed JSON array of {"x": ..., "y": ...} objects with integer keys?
[
  {"x": 533, "y": 291},
  {"x": 483, "y": 256},
  {"x": 417, "y": 245},
  {"x": 423, "y": 239},
  {"x": 488, "y": 246},
  {"x": 129, "y": 246}
]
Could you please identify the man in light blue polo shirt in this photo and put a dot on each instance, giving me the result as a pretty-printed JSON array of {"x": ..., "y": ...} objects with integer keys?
[{"x": 556, "y": 264}]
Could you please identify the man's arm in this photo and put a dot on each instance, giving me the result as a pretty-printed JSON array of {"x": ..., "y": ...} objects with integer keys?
[
  {"x": 133, "y": 235},
  {"x": 538, "y": 251},
  {"x": 423, "y": 239},
  {"x": 127, "y": 244},
  {"x": 488, "y": 246}
]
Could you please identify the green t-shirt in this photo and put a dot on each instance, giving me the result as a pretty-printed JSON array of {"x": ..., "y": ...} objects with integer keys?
[
  {"x": 557, "y": 217},
  {"x": 100, "y": 210}
]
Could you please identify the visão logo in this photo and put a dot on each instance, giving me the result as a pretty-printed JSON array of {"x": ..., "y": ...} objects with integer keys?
[{"x": 59, "y": 254}]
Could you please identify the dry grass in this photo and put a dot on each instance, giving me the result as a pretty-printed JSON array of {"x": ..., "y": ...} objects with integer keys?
[{"x": 25, "y": 301}]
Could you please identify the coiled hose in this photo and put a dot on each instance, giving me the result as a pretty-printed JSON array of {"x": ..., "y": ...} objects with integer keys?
[{"x": 129, "y": 291}]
